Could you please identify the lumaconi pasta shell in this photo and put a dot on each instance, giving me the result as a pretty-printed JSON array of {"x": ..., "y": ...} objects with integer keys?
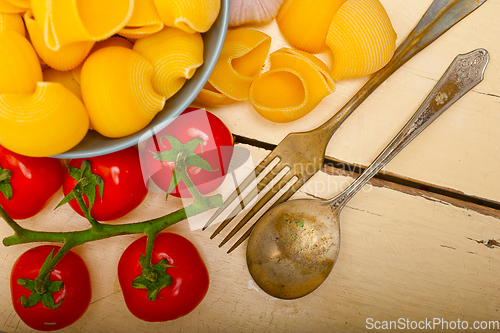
[
  {"x": 361, "y": 38},
  {"x": 12, "y": 22},
  {"x": 240, "y": 62},
  {"x": 144, "y": 22},
  {"x": 20, "y": 65},
  {"x": 66, "y": 57},
  {"x": 304, "y": 23},
  {"x": 24, "y": 4},
  {"x": 175, "y": 56},
  {"x": 47, "y": 122},
  {"x": 117, "y": 91},
  {"x": 111, "y": 41},
  {"x": 188, "y": 15},
  {"x": 212, "y": 96},
  {"x": 65, "y": 78},
  {"x": 69, "y": 21},
  {"x": 8, "y": 7},
  {"x": 294, "y": 86}
]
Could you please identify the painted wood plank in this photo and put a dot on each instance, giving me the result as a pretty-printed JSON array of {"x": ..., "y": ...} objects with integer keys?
[{"x": 405, "y": 256}]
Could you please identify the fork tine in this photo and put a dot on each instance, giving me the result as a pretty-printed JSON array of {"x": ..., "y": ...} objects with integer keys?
[
  {"x": 265, "y": 199},
  {"x": 294, "y": 188},
  {"x": 248, "y": 198},
  {"x": 236, "y": 193}
]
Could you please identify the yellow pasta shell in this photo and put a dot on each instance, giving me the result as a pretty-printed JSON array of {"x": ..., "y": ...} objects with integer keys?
[
  {"x": 24, "y": 4},
  {"x": 47, "y": 122},
  {"x": 175, "y": 56},
  {"x": 361, "y": 38},
  {"x": 19, "y": 63},
  {"x": 9, "y": 7},
  {"x": 293, "y": 87},
  {"x": 188, "y": 15},
  {"x": 144, "y": 22},
  {"x": 111, "y": 41},
  {"x": 117, "y": 91},
  {"x": 304, "y": 23},
  {"x": 65, "y": 78},
  {"x": 212, "y": 96},
  {"x": 66, "y": 57},
  {"x": 240, "y": 62},
  {"x": 69, "y": 21},
  {"x": 12, "y": 22}
]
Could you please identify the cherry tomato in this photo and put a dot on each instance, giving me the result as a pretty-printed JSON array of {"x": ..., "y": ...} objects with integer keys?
[
  {"x": 217, "y": 150},
  {"x": 34, "y": 180},
  {"x": 75, "y": 294},
  {"x": 124, "y": 188},
  {"x": 189, "y": 278}
]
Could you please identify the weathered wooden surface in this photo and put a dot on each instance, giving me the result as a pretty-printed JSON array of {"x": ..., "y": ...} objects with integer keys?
[{"x": 405, "y": 254}]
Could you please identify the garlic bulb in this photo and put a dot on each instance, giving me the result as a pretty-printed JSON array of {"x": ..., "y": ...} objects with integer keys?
[{"x": 253, "y": 11}]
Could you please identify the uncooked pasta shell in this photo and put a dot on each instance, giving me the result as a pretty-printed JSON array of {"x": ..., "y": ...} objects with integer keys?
[
  {"x": 66, "y": 22},
  {"x": 240, "y": 62},
  {"x": 188, "y": 15},
  {"x": 47, "y": 122},
  {"x": 144, "y": 22},
  {"x": 212, "y": 96},
  {"x": 20, "y": 65},
  {"x": 66, "y": 57},
  {"x": 305, "y": 23},
  {"x": 293, "y": 87},
  {"x": 8, "y": 7},
  {"x": 117, "y": 91},
  {"x": 65, "y": 78},
  {"x": 175, "y": 56},
  {"x": 12, "y": 22},
  {"x": 361, "y": 38}
]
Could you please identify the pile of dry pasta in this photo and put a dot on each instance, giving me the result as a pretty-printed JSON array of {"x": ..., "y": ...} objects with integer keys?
[
  {"x": 68, "y": 66},
  {"x": 358, "y": 33}
]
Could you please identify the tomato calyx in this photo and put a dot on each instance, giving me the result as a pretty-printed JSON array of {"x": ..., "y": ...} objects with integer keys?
[
  {"x": 184, "y": 156},
  {"x": 45, "y": 295},
  {"x": 153, "y": 278},
  {"x": 5, "y": 186},
  {"x": 86, "y": 183}
]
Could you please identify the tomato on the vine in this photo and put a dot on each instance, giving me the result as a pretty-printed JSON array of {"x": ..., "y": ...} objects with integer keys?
[
  {"x": 216, "y": 148},
  {"x": 31, "y": 181},
  {"x": 124, "y": 188},
  {"x": 189, "y": 278},
  {"x": 72, "y": 298}
]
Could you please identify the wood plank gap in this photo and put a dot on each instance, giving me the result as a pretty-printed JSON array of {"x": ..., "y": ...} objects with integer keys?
[{"x": 344, "y": 168}]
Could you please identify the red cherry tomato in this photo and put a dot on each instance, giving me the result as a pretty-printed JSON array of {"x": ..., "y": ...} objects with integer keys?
[
  {"x": 190, "y": 278},
  {"x": 76, "y": 290},
  {"x": 124, "y": 188},
  {"x": 34, "y": 180},
  {"x": 217, "y": 151}
]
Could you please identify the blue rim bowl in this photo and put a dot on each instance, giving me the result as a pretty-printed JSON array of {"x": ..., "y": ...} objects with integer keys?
[{"x": 94, "y": 144}]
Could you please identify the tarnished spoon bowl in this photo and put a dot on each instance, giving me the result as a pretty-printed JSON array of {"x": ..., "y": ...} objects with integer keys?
[{"x": 293, "y": 247}]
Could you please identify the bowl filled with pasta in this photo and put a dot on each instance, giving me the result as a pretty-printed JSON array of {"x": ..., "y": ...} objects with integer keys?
[{"x": 85, "y": 78}]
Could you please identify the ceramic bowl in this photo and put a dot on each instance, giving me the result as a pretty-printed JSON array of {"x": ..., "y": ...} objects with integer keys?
[{"x": 95, "y": 144}]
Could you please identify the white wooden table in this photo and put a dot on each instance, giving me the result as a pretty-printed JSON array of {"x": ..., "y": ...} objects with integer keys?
[{"x": 407, "y": 255}]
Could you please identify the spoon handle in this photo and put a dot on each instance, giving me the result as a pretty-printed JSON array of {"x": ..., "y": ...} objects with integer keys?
[{"x": 464, "y": 73}]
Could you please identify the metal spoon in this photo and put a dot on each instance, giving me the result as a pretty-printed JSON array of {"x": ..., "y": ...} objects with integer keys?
[{"x": 293, "y": 247}]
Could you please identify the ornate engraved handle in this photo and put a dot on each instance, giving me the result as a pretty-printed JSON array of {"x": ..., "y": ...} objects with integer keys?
[{"x": 464, "y": 73}]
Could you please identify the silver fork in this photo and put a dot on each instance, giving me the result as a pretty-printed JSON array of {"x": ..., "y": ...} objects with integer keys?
[{"x": 303, "y": 153}]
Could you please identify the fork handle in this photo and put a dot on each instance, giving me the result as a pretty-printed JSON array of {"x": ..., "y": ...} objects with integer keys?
[
  {"x": 464, "y": 73},
  {"x": 439, "y": 17}
]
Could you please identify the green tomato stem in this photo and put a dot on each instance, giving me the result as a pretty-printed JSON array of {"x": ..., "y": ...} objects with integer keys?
[
  {"x": 43, "y": 275},
  {"x": 13, "y": 224},
  {"x": 147, "y": 267},
  {"x": 86, "y": 211},
  {"x": 76, "y": 238},
  {"x": 5, "y": 174}
]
